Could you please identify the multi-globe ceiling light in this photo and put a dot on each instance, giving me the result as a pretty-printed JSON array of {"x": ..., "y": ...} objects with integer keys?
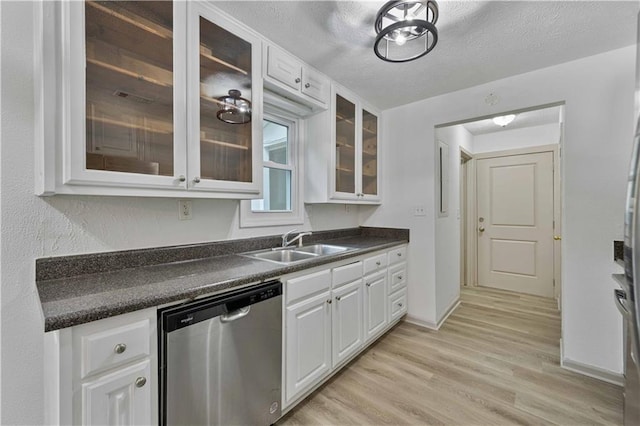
[{"x": 406, "y": 30}]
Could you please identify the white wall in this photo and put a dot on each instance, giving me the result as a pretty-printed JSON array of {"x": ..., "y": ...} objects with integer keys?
[
  {"x": 35, "y": 227},
  {"x": 448, "y": 227},
  {"x": 598, "y": 92},
  {"x": 546, "y": 134}
]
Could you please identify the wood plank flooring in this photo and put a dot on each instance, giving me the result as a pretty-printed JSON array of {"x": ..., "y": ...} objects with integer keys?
[{"x": 495, "y": 361}]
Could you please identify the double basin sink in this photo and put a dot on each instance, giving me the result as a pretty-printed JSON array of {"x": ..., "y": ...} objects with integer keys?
[{"x": 289, "y": 255}]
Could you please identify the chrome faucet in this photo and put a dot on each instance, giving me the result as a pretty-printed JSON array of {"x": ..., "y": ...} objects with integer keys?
[{"x": 286, "y": 241}]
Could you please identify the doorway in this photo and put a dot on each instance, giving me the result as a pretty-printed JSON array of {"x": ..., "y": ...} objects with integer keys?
[
  {"x": 466, "y": 180},
  {"x": 515, "y": 221},
  {"x": 511, "y": 261}
]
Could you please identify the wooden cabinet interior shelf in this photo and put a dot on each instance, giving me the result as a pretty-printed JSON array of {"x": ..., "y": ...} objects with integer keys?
[
  {"x": 345, "y": 119},
  {"x": 206, "y": 53},
  {"x": 154, "y": 127},
  {"x": 134, "y": 20}
]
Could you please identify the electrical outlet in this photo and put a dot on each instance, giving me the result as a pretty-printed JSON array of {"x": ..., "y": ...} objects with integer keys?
[
  {"x": 419, "y": 210},
  {"x": 185, "y": 210}
]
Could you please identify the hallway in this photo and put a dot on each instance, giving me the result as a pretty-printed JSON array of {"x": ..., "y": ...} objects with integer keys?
[{"x": 494, "y": 361}]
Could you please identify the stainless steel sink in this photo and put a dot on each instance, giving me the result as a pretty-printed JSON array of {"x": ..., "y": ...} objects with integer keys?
[
  {"x": 283, "y": 256},
  {"x": 287, "y": 256},
  {"x": 322, "y": 249}
]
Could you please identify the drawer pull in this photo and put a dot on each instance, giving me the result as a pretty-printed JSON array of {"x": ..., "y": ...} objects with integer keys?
[
  {"x": 399, "y": 277},
  {"x": 141, "y": 381},
  {"x": 338, "y": 298},
  {"x": 400, "y": 305},
  {"x": 399, "y": 254},
  {"x": 368, "y": 284},
  {"x": 120, "y": 348},
  {"x": 378, "y": 263}
]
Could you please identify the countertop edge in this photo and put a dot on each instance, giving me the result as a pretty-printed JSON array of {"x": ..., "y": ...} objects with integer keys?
[{"x": 70, "y": 319}]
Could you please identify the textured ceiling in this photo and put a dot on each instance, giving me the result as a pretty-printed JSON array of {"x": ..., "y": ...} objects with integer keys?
[
  {"x": 479, "y": 41},
  {"x": 523, "y": 119}
]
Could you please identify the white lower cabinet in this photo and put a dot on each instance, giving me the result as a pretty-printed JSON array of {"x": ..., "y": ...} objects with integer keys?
[
  {"x": 103, "y": 372},
  {"x": 397, "y": 304},
  {"x": 120, "y": 398},
  {"x": 332, "y": 314},
  {"x": 375, "y": 304},
  {"x": 347, "y": 321},
  {"x": 308, "y": 333}
]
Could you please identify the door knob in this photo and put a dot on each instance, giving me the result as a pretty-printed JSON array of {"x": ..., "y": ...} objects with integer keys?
[
  {"x": 481, "y": 229},
  {"x": 557, "y": 237}
]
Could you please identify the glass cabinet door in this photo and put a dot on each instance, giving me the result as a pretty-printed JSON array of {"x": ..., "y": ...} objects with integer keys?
[
  {"x": 369, "y": 153},
  {"x": 129, "y": 87},
  {"x": 345, "y": 146},
  {"x": 225, "y": 105}
]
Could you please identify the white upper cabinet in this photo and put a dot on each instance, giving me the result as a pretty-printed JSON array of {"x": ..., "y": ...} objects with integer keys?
[
  {"x": 343, "y": 163},
  {"x": 292, "y": 78},
  {"x": 115, "y": 78},
  {"x": 225, "y": 104}
]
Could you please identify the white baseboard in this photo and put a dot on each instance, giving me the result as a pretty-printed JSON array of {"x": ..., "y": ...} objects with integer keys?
[
  {"x": 421, "y": 323},
  {"x": 431, "y": 325},
  {"x": 590, "y": 371}
]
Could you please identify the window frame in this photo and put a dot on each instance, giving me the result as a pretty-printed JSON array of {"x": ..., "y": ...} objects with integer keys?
[{"x": 295, "y": 216}]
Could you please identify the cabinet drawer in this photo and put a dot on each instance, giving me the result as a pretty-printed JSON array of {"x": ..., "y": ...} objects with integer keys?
[
  {"x": 397, "y": 255},
  {"x": 114, "y": 346},
  {"x": 375, "y": 263},
  {"x": 397, "y": 304},
  {"x": 397, "y": 277},
  {"x": 308, "y": 285},
  {"x": 347, "y": 273}
]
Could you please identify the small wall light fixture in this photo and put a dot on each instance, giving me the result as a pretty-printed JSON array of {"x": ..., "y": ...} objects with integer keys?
[{"x": 406, "y": 30}]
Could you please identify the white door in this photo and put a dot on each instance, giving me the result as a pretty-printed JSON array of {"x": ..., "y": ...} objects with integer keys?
[
  {"x": 120, "y": 398},
  {"x": 515, "y": 223},
  {"x": 347, "y": 321},
  {"x": 308, "y": 345},
  {"x": 375, "y": 304}
]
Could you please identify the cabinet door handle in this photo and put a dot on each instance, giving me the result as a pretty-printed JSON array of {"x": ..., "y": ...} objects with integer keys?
[
  {"x": 196, "y": 179},
  {"x": 400, "y": 305},
  {"x": 399, "y": 254},
  {"x": 338, "y": 298},
  {"x": 181, "y": 178},
  {"x": 307, "y": 85},
  {"x": 378, "y": 263},
  {"x": 120, "y": 348},
  {"x": 399, "y": 277},
  {"x": 329, "y": 301},
  {"x": 141, "y": 381},
  {"x": 298, "y": 80},
  {"x": 368, "y": 284}
]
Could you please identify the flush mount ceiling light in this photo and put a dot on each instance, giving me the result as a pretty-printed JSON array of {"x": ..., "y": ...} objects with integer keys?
[
  {"x": 405, "y": 30},
  {"x": 234, "y": 109},
  {"x": 503, "y": 120}
]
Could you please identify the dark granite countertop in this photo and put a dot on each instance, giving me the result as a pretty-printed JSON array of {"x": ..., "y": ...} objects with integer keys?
[{"x": 69, "y": 299}]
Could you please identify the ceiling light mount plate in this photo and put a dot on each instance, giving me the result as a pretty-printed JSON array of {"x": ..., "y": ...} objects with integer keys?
[{"x": 405, "y": 30}]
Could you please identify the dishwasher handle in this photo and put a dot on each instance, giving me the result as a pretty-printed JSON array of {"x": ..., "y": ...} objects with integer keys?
[{"x": 235, "y": 315}]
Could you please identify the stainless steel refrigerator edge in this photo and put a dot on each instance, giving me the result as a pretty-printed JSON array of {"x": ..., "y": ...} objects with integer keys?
[
  {"x": 627, "y": 299},
  {"x": 221, "y": 359}
]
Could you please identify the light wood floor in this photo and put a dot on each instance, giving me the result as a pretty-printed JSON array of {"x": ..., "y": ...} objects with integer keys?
[{"x": 494, "y": 361}]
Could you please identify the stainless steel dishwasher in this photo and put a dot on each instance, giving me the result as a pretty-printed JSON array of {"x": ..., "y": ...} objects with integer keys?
[{"x": 221, "y": 359}]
